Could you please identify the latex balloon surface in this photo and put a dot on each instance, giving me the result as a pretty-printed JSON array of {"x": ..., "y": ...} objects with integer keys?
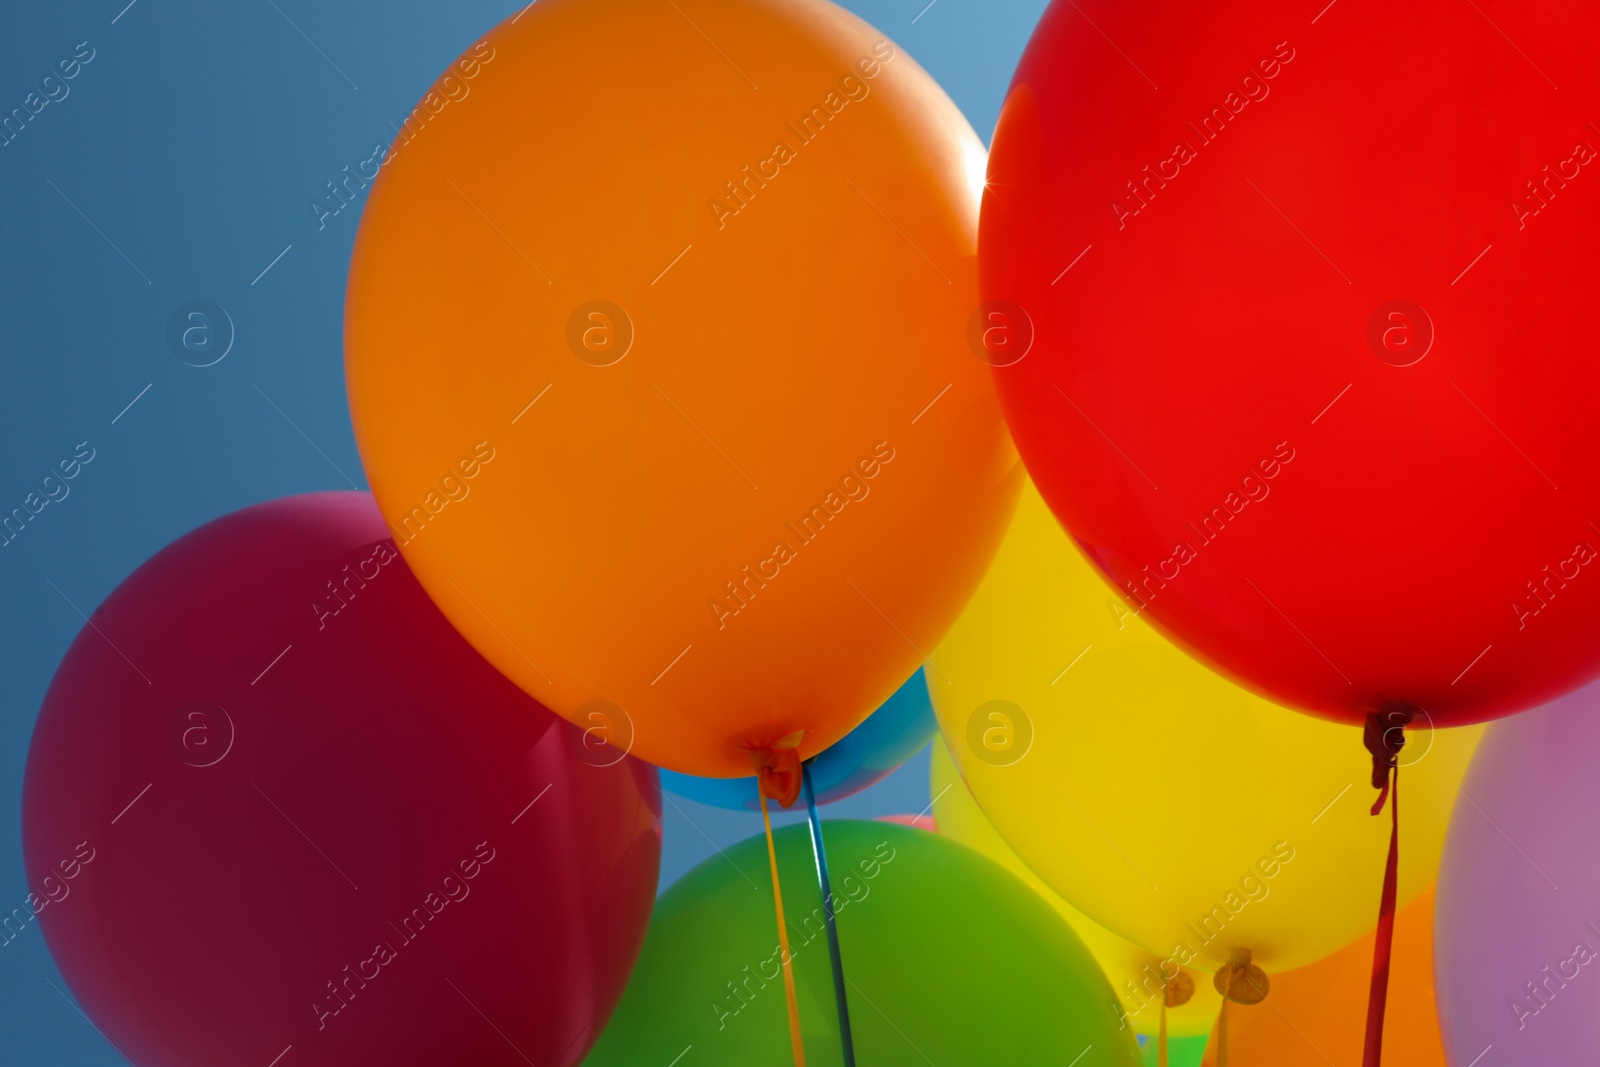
[
  {"x": 865, "y": 756},
  {"x": 1329, "y": 427},
  {"x": 1315, "y": 1015},
  {"x": 1181, "y": 1051},
  {"x": 944, "y": 952},
  {"x": 1176, "y": 809},
  {"x": 657, "y": 354},
  {"x": 1516, "y": 931},
  {"x": 274, "y": 800},
  {"x": 1139, "y": 980}
]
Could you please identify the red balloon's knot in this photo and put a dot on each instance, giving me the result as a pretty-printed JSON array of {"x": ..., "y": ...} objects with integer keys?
[{"x": 1385, "y": 736}]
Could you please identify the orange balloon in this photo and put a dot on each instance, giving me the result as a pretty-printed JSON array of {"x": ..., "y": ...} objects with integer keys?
[
  {"x": 666, "y": 366},
  {"x": 1316, "y": 1015}
]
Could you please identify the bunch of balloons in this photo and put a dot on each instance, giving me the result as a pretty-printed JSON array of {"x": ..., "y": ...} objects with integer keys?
[
  {"x": 1327, "y": 434},
  {"x": 727, "y": 412}
]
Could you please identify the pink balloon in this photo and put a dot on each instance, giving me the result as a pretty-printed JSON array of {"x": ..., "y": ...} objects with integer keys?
[{"x": 1517, "y": 922}]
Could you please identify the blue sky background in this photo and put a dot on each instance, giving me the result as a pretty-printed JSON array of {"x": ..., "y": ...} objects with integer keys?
[{"x": 179, "y": 167}]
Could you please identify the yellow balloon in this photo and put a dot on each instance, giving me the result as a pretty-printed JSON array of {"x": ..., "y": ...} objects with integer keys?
[
  {"x": 1136, "y": 976},
  {"x": 1178, "y": 810}
]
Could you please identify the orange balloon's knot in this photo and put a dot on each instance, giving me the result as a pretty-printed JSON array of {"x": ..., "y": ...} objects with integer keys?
[
  {"x": 1179, "y": 989},
  {"x": 778, "y": 769},
  {"x": 1385, "y": 736},
  {"x": 1241, "y": 981}
]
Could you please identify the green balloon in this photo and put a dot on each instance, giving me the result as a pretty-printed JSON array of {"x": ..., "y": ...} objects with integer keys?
[
  {"x": 949, "y": 960},
  {"x": 1181, "y": 1051}
]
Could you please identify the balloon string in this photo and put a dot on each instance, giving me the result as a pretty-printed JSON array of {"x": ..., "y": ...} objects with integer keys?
[
  {"x": 846, "y": 1042},
  {"x": 1222, "y": 1034},
  {"x": 1161, "y": 1046},
  {"x": 1377, "y": 1000},
  {"x": 783, "y": 943}
]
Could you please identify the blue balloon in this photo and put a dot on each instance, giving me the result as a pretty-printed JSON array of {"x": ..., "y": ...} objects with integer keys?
[{"x": 866, "y": 755}]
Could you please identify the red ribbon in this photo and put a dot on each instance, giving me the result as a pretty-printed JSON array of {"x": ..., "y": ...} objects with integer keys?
[{"x": 1385, "y": 737}]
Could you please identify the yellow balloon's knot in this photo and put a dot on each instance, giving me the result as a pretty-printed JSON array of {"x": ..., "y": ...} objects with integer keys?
[
  {"x": 1179, "y": 989},
  {"x": 1241, "y": 981}
]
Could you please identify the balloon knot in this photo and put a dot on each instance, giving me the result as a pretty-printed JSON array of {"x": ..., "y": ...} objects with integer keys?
[
  {"x": 1385, "y": 736},
  {"x": 1241, "y": 981},
  {"x": 777, "y": 768},
  {"x": 1179, "y": 989}
]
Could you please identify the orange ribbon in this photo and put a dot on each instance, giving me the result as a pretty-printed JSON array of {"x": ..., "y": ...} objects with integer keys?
[{"x": 778, "y": 776}]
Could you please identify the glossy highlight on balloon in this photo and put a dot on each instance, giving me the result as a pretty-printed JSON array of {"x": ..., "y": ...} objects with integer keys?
[
  {"x": 656, "y": 429},
  {"x": 1327, "y": 427}
]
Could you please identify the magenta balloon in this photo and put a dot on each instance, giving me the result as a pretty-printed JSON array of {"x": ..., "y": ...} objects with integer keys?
[
  {"x": 1517, "y": 920},
  {"x": 277, "y": 810}
]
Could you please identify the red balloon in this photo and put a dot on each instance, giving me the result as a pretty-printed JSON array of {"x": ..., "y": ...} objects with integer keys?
[
  {"x": 1309, "y": 291},
  {"x": 276, "y": 806}
]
